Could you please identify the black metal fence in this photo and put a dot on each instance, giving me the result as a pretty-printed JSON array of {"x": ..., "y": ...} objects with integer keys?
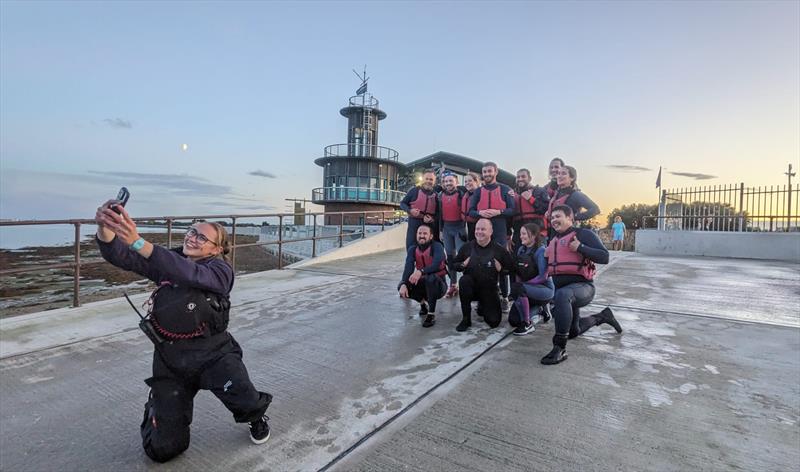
[
  {"x": 731, "y": 208},
  {"x": 172, "y": 224}
]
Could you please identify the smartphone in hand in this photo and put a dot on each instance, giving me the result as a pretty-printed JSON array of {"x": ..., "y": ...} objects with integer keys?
[{"x": 122, "y": 198}]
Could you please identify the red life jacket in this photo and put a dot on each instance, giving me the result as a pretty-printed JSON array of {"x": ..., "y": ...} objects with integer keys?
[
  {"x": 425, "y": 203},
  {"x": 451, "y": 207},
  {"x": 523, "y": 210},
  {"x": 491, "y": 199},
  {"x": 465, "y": 208},
  {"x": 554, "y": 202},
  {"x": 423, "y": 259},
  {"x": 562, "y": 261}
]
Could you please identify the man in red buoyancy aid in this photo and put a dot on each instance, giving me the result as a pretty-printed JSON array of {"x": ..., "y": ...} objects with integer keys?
[
  {"x": 422, "y": 207},
  {"x": 530, "y": 205},
  {"x": 453, "y": 227},
  {"x": 571, "y": 256},
  {"x": 423, "y": 275},
  {"x": 493, "y": 202}
]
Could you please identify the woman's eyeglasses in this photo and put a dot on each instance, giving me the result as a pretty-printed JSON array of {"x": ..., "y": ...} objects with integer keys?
[{"x": 200, "y": 237}]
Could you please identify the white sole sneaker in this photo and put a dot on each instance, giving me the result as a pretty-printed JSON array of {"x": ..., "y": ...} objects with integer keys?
[{"x": 260, "y": 441}]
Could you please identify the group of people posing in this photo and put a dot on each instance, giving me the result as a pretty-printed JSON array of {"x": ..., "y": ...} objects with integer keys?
[{"x": 517, "y": 250}]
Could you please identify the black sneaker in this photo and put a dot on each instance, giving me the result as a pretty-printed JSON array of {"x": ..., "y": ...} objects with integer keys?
[
  {"x": 524, "y": 329},
  {"x": 608, "y": 317},
  {"x": 259, "y": 430},
  {"x": 423, "y": 308},
  {"x": 430, "y": 320},
  {"x": 464, "y": 325},
  {"x": 555, "y": 356},
  {"x": 545, "y": 313}
]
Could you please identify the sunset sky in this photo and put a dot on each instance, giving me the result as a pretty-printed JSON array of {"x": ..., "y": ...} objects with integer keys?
[{"x": 97, "y": 95}]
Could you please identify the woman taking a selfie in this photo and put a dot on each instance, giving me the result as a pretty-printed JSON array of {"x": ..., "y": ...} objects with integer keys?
[{"x": 189, "y": 313}]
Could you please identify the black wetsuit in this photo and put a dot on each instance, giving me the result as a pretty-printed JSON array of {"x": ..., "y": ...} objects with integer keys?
[
  {"x": 541, "y": 200},
  {"x": 479, "y": 281},
  {"x": 182, "y": 367},
  {"x": 431, "y": 286}
]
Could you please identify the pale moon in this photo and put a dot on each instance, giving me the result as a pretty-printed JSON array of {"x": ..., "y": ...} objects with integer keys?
[{"x": 184, "y": 147}]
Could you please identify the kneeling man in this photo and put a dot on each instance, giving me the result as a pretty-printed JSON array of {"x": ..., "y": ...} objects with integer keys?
[
  {"x": 423, "y": 276},
  {"x": 482, "y": 262}
]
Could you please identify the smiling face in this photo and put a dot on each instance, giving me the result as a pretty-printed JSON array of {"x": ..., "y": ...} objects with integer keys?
[
  {"x": 423, "y": 235},
  {"x": 428, "y": 180},
  {"x": 523, "y": 179},
  {"x": 555, "y": 165},
  {"x": 483, "y": 231},
  {"x": 200, "y": 242},
  {"x": 470, "y": 183},
  {"x": 524, "y": 237},
  {"x": 564, "y": 179},
  {"x": 560, "y": 221},
  {"x": 450, "y": 183},
  {"x": 489, "y": 174}
]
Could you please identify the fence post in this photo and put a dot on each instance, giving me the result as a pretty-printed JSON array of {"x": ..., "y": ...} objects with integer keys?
[
  {"x": 233, "y": 244},
  {"x": 383, "y": 221},
  {"x": 341, "y": 228},
  {"x": 789, "y": 207},
  {"x": 280, "y": 242},
  {"x": 169, "y": 233},
  {"x": 76, "y": 275},
  {"x": 364, "y": 225},
  {"x": 314, "y": 238},
  {"x": 741, "y": 207},
  {"x": 662, "y": 211}
]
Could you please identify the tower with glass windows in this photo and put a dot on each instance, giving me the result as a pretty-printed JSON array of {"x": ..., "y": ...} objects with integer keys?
[{"x": 359, "y": 175}]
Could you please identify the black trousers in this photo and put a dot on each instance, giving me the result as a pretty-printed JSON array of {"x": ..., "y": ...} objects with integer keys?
[
  {"x": 180, "y": 370},
  {"x": 485, "y": 292},
  {"x": 430, "y": 288},
  {"x": 566, "y": 311}
]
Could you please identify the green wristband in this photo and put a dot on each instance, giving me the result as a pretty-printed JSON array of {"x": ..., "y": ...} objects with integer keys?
[{"x": 136, "y": 245}]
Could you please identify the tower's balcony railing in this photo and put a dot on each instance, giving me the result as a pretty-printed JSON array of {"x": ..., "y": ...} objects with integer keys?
[
  {"x": 361, "y": 150},
  {"x": 365, "y": 100},
  {"x": 356, "y": 194}
]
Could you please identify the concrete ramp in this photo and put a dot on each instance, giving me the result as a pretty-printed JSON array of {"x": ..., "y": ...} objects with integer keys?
[{"x": 360, "y": 385}]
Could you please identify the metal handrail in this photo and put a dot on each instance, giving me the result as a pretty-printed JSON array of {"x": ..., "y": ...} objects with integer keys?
[
  {"x": 361, "y": 150},
  {"x": 733, "y": 222},
  {"x": 363, "y": 100},
  {"x": 76, "y": 265}
]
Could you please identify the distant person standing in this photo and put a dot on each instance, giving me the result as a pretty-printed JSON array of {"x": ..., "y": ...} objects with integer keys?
[
  {"x": 471, "y": 181},
  {"x": 482, "y": 262},
  {"x": 422, "y": 207},
  {"x": 555, "y": 165},
  {"x": 618, "y": 235},
  {"x": 452, "y": 224},
  {"x": 571, "y": 256},
  {"x": 423, "y": 275},
  {"x": 530, "y": 204},
  {"x": 583, "y": 208}
]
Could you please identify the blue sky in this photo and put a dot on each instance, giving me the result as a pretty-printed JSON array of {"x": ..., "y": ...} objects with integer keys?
[{"x": 97, "y": 95}]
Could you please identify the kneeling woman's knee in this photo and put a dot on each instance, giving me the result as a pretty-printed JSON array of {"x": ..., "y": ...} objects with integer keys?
[{"x": 164, "y": 439}]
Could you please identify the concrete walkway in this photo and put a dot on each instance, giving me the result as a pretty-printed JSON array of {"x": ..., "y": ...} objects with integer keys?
[{"x": 344, "y": 356}]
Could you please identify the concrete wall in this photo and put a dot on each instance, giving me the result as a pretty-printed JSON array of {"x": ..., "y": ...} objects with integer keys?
[
  {"x": 774, "y": 246},
  {"x": 394, "y": 238}
]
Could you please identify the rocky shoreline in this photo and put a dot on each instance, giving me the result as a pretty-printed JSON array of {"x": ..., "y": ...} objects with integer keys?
[{"x": 52, "y": 288}]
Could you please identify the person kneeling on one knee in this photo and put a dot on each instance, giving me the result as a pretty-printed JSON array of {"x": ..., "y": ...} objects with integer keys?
[
  {"x": 423, "y": 276},
  {"x": 571, "y": 256},
  {"x": 188, "y": 317},
  {"x": 482, "y": 262}
]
